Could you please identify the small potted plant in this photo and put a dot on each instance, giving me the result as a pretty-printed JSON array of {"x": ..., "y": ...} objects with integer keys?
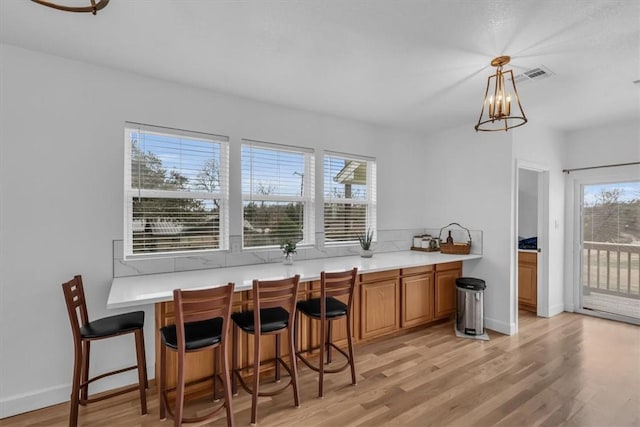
[
  {"x": 365, "y": 240},
  {"x": 288, "y": 249}
]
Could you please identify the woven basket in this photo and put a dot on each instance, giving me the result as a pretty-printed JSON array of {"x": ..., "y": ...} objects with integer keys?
[{"x": 455, "y": 248}]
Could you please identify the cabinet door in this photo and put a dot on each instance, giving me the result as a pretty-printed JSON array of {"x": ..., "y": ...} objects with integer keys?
[
  {"x": 417, "y": 300},
  {"x": 445, "y": 287},
  {"x": 379, "y": 304},
  {"x": 528, "y": 280}
]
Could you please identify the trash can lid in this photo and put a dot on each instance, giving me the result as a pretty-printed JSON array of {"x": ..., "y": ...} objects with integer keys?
[{"x": 471, "y": 283}]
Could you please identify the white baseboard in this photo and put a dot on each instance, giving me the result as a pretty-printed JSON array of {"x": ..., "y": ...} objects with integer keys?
[
  {"x": 25, "y": 402},
  {"x": 31, "y": 401},
  {"x": 499, "y": 326},
  {"x": 570, "y": 308}
]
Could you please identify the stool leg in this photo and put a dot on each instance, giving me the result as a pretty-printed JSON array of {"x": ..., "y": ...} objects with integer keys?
[
  {"x": 84, "y": 391},
  {"x": 294, "y": 366},
  {"x": 78, "y": 358},
  {"x": 216, "y": 372},
  {"x": 278, "y": 355},
  {"x": 329, "y": 340},
  {"x": 179, "y": 405},
  {"x": 323, "y": 340},
  {"x": 161, "y": 381},
  {"x": 142, "y": 375},
  {"x": 234, "y": 360},
  {"x": 256, "y": 377},
  {"x": 226, "y": 385},
  {"x": 144, "y": 363},
  {"x": 352, "y": 360},
  {"x": 295, "y": 331}
]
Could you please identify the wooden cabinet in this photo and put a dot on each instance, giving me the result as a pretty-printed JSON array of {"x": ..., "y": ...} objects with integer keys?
[
  {"x": 379, "y": 303},
  {"x": 445, "y": 288},
  {"x": 528, "y": 281},
  {"x": 417, "y": 296}
]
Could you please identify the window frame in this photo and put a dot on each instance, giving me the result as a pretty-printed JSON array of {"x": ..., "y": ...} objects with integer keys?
[
  {"x": 370, "y": 201},
  {"x": 307, "y": 199},
  {"x": 221, "y": 195}
]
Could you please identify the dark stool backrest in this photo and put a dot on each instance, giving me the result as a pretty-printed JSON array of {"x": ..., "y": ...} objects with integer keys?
[
  {"x": 338, "y": 284},
  {"x": 76, "y": 305},
  {"x": 204, "y": 304},
  {"x": 275, "y": 293}
]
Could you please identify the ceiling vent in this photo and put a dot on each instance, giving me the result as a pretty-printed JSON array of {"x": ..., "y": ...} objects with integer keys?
[{"x": 537, "y": 73}]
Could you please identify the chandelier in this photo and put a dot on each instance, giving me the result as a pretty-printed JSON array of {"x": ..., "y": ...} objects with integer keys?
[
  {"x": 501, "y": 108},
  {"x": 94, "y": 7}
]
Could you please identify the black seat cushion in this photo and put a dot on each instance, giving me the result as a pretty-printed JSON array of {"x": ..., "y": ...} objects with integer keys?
[
  {"x": 311, "y": 307},
  {"x": 196, "y": 334},
  {"x": 271, "y": 319},
  {"x": 113, "y": 325}
]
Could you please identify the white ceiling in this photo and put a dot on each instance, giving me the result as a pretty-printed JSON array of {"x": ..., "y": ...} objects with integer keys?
[{"x": 420, "y": 65}]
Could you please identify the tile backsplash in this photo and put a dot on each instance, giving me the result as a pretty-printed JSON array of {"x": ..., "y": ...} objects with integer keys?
[{"x": 388, "y": 241}]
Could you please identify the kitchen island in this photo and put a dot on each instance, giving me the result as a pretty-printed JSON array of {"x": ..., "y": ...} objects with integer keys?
[{"x": 396, "y": 291}]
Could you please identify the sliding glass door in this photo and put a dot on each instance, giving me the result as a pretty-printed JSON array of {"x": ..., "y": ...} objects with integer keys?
[{"x": 610, "y": 258}]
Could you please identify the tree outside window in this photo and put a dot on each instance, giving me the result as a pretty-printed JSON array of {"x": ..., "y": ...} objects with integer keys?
[{"x": 175, "y": 191}]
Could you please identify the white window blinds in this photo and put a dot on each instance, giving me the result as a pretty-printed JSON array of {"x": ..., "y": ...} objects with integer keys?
[
  {"x": 349, "y": 197},
  {"x": 176, "y": 190},
  {"x": 277, "y": 193}
]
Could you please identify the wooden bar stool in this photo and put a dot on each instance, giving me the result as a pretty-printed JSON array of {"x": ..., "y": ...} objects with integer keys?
[
  {"x": 202, "y": 322},
  {"x": 84, "y": 332},
  {"x": 326, "y": 309},
  {"x": 274, "y": 309}
]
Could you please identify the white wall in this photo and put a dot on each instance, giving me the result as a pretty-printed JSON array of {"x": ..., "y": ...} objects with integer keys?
[
  {"x": 534, "y": 146},
  {"x": 61, "y": 177},
  {"x": 476, "y": 173},
  {"x": 604, "y": 145},
  {"x": 527, "y": 203},
  {"x": 468, "y": 179}
]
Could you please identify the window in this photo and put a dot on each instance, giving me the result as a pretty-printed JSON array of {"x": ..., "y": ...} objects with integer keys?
[
  {"x": 176, "y": 190},
  {"x": 349, "y": 197},
  {"x": 277, "y": 194}
]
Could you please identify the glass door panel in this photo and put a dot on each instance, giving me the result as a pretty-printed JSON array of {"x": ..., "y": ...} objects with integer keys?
[{"x": 610, "y": 275}]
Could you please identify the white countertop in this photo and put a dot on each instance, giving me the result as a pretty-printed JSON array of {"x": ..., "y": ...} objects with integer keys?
[{"x": 151, "y": 288}]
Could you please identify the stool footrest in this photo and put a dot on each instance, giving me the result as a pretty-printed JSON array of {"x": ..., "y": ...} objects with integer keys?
[
  {"x": 108, "y": 374},
  {"x": 249, "y": 390},
  {"x": 313, "y": 367},
  {"x": 93, "y": 399}
]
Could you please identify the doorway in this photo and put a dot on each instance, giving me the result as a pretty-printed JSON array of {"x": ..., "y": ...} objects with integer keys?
[
  {"x": 529, "y": 202},
  {"x": 531, "y": 293},
  {"x": 609, "y": 256}
]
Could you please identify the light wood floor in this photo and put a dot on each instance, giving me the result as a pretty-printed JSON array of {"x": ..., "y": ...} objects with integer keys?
[{"x": 569, "y": 370}]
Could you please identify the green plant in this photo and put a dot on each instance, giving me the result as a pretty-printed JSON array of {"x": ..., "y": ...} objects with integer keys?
[
  {"x": 288, "y": 247},
  {"x": 365, "y": 239}
]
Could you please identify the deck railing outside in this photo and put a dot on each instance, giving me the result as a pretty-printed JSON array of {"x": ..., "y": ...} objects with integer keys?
[{"x": 611, "y": 268}]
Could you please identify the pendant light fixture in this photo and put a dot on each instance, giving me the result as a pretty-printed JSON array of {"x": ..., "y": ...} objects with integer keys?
[
  {"x": 501, "y": 108},
  {"x": 94, "y": 7}
]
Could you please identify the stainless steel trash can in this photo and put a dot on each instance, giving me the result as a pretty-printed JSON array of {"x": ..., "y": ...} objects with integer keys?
[{"x": 470, "y": 305}]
